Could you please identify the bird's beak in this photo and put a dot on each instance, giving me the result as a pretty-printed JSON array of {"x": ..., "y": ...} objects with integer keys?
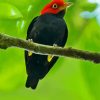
[{"x": 66, "y": 5}]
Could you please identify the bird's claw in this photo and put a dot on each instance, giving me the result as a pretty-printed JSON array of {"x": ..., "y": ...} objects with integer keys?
[
  {"x": 50, "y": 57},
  {"x": 30, "y": 40},
  {"x": 29, "y": 52},
  {"x": 55, "y": 45}
]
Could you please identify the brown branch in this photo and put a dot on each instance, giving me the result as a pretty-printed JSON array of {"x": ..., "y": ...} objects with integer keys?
[{"x": 8, "y": 41}]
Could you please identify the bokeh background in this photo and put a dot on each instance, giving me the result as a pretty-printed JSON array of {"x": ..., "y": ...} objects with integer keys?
[{"x": 69, "y": 79}]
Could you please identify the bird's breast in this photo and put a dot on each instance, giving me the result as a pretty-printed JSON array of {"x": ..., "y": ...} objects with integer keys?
[{"x": 47, "y": 30}]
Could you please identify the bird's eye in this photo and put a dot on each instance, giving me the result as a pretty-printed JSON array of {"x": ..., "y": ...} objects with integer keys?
[{"x": 55, "y": 6}]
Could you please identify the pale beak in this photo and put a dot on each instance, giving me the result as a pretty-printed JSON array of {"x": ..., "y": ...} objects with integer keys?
[{"x": 66, "y": 5}]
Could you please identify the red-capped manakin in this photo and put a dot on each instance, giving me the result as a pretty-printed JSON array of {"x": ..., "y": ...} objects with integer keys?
[{"x": 49, "y": 29}]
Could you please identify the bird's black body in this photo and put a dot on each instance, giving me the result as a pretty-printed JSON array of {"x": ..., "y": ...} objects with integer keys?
[{"x": 48, "y": 29}]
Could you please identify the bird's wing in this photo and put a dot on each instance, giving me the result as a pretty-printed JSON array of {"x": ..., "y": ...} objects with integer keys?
[
  {"x": 28, "y": 32},
  {"x": 31, "y": 26},
  {"x": 61, "y": 43},
  {"x": 62, "y": 40}
]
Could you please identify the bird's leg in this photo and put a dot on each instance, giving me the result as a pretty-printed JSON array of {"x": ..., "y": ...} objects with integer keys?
[
  {"x": 49, "y": 58},
  {"x": 29, "y": 52}
]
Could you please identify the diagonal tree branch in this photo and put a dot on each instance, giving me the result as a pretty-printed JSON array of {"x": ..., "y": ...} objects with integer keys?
[{"x": 7, "y": 41}]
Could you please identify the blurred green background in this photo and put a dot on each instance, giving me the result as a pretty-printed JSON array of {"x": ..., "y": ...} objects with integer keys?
[{"x": 69, "y": 79}]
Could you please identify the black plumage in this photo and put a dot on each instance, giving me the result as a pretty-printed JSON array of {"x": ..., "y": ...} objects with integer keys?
[{"x": 48, "y": 29}]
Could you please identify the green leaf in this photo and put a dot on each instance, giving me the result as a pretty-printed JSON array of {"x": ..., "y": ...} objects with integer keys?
[
  {"x": 88, "y": 6},
  {"x": 8, "y": 11}
]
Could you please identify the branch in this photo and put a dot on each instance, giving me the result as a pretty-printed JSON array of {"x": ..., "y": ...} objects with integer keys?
[{"x": 8, "y": 41}]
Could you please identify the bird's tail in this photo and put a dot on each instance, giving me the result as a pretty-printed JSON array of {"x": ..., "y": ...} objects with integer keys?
[{"x": 32, "y": 82}]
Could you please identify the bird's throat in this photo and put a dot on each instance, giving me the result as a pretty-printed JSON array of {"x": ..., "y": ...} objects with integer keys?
[{"x": 61, "y": 13}]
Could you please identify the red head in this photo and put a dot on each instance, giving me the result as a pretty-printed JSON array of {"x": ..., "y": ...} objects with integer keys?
[{"x": 55, "y": 6}]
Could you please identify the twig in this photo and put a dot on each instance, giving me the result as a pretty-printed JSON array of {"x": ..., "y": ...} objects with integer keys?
[{"x": 7, "y": 41}]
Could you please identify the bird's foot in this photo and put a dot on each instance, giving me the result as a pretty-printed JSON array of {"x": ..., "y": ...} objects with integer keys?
[
  {"x": 30, "y": 40},
  {"x": 55, "y": 45},
  {"x": 29, "y": 52},
  {"x": 50, "y": 57}
]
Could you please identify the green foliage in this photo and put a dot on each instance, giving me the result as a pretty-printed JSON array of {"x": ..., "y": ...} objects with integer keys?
[
  {"x": 9, "y": 11},
  {"x": 69, "y": 79}
]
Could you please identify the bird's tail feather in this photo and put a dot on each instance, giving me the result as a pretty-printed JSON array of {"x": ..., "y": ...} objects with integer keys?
[{"x": 32, "y": 82}]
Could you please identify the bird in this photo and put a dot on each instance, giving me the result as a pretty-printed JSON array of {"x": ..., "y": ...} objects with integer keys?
[{"x": 49, "y": 28}]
